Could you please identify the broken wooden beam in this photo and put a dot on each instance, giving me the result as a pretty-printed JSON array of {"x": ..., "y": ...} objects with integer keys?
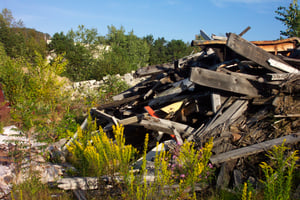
[
  {"x": 228, "y": 117},
  {"x": 252, "y": 52},
  {"x": 282, "y": 66},
  {"x": 254, "y": 149},
  {"x": 165, "y": 126},
  {"x": 223, "y": 81},
  {"x": 175, "y": 90}
]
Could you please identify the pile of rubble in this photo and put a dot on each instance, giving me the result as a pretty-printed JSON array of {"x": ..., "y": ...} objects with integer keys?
[
  {"x": 92, "y": 87},
  {"x": 243, "y": 94}
]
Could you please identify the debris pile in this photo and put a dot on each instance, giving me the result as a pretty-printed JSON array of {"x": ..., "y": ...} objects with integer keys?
[{"x": 243, "y": 94}]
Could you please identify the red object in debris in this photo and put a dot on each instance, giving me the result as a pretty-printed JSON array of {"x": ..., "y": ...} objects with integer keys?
[{"x": 150, "y": 111}]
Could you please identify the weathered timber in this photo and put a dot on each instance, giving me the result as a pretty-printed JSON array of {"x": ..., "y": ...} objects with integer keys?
[
  {"x": 104, "y": 115},
  {"x": 154, "y": 69},
  {"x": 215, "y": 37},
  {"x": 282, "y": 66},
  {"x": 287, "y": 116},
  {"x": 254, "y": 149},
  {"x": 228, "y": 117},
  {"x": 135, "y": 90},
  {"x": 175, "y": 90},
  {"x": 165, "y": 126},
  {"x": 223, "y": 81},
  {"x": 215, "y": 102},
  {"x": 245, "y": 31},
  {"x": 118, "y": 102},
  {"x": 252, "y": 52},
  {"x": 280, "y": 77},
  {"x": 204, "y": 35},
  {"x": 183, "y": 61}
]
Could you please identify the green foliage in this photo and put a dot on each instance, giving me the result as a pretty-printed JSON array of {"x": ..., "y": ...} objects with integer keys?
[
  {"x": 279, "y": 173},
  {"x": 33, "y": 90},
  {"x": 127, "y": 52},
  {"x": 88, "y": 59},
  {"x": 110, "y": 87},
  {"x": 12, "y": 77},
  {"x": 290, "y": 18},
  {"x": 158, "y": 52},
  {"x": 19, "y": 41}
]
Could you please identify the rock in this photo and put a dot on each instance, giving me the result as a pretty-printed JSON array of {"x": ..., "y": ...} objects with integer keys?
[{"x": 128, "y": 78}]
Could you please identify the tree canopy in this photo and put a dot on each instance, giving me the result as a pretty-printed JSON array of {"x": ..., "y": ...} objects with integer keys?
[{"x": 290, "y": 18}]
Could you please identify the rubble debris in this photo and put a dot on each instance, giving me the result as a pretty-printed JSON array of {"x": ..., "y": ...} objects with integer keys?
[{"x": 243, "y": 94}]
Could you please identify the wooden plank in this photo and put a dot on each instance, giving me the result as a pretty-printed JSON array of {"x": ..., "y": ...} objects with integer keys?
[
  {"x": 216, "y": 102},
  {"x": 215, "y": 37},
  {"x": 223, "y": 81},
  {"x": 244, "y": 31},
  {"x": 229, "y": 116},
  {"x": 204, "y": 35},
  {"x": 118, "y": 102},
  {"x": 165, "y": 126},
  {"x": 254, "y": 149},
  {"x": 280, "y": 77},
  {"x": 251, "y": 52},
  {"x": 182, "y": 61},
  {"x": 175, "y": 90},
  {"x": 282, "y": 66},
  {"x": 154, "y": 69},
  {"x": 288, "y": 115},
  {"x": 104, "y": 115}
]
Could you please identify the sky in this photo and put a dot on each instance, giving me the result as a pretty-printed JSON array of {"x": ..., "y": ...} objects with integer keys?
[{"x": 171, "y": 19}]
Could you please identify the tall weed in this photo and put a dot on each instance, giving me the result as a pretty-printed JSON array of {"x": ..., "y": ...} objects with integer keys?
[
  {"x": 96, "y": 154},
  {"x": 279, "y": 173}
]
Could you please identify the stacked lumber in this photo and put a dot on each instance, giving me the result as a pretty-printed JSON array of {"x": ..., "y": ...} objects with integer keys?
[{"x": 243, "y": 94}]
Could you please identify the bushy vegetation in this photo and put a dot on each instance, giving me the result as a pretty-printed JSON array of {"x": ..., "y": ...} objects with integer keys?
[{"x": 92, "y": 56}]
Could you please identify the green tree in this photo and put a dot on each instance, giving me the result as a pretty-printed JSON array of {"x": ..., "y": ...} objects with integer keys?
[
  {"x": 13, "y": 41},
  {"x": 61, "y": 43},
  {"x": 158, "y": 52},
  {"x": 290, "y": 18},
  {"x": 177, "y": 49},
  {"x": 18, "y": 40},
  {"x": 80, "y": 59},
  {"x": 127, "y": 52}
]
